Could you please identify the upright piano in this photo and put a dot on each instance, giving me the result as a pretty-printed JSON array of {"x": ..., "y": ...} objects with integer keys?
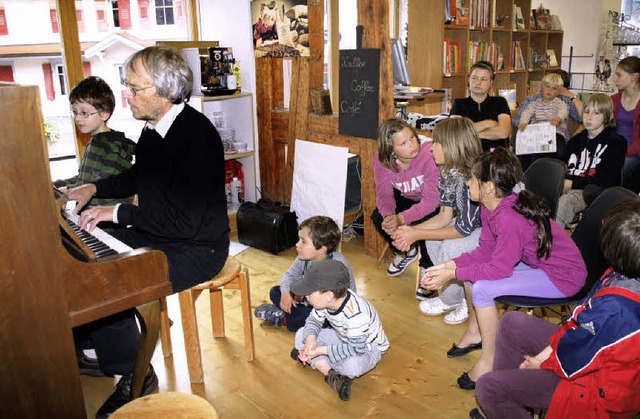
[{"x": 45, "y": 290}]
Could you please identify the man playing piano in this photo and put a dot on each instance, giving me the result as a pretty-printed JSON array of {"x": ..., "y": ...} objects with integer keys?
[{"x": 179, "y": 179}]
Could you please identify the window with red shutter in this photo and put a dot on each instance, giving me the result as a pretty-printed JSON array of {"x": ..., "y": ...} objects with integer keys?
[
  {"x": 86, "y": 68},
  {"x": 48, "y": 81},
  {"x": 6, "y": 73},
  {"x": 124, "y": 12},
  {"x": 4, "y": 29},
  {"x": 53, "y": 15},
  {"x": 80, "y": 20}
]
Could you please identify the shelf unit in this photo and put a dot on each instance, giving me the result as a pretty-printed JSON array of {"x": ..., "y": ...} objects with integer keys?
[
  {"x": 238, "y": 114},
  {"x": 530, "y": 40}
]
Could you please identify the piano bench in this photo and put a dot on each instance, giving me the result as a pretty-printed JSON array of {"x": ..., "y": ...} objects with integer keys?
[{"x": 232, "y": 276}]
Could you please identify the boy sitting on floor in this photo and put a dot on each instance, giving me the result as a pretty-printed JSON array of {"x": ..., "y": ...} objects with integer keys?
[
  {"x": 355, "y": 341},
  {"x": 319, "y": 238}
]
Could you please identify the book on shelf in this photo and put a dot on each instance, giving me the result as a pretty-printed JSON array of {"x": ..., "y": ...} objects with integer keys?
[
  {"x": 551, "y": 56},
  {"x": 534, "y": 87},
  {"x": 451, "y": 56},
  {"x": 500, "y": 63},
  {"x": 510, "y": 96},
  {"x": 518, "y": 18},
  {"x": 517, "y": 57},
  {"x": 542, "y": 18},
  {"x": 459, "y": 12},
  {"x": 479, "y": 13},
  {"x": 481, "y": 50}
]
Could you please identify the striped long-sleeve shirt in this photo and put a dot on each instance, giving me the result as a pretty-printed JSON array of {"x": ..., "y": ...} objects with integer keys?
[
  {"x": 357, "y": 324},
  {"x": 541, "y": 111}
]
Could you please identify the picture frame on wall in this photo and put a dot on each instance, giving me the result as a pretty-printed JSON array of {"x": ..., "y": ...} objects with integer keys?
[{"x": 280, "y": 28}]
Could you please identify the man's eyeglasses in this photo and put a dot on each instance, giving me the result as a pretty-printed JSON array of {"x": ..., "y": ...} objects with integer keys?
[
  {"x": 82, "y": 115},
  {"x": 135, "y": 90}
]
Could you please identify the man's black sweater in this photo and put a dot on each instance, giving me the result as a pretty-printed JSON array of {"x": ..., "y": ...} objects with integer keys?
[{"x": 180, "y": 182}]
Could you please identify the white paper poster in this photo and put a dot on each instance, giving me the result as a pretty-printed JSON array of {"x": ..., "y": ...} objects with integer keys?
[
  {"x": 536, "y": 138},
  {"x": 319, "y": 181}
]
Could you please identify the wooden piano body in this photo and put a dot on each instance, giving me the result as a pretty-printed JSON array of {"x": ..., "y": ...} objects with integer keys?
[{"x": 44, "y": 291}]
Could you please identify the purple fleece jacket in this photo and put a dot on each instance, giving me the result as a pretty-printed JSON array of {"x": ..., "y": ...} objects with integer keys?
[
  {"x": 418, "y": 182},
  {"x": 508, "y": 238}
]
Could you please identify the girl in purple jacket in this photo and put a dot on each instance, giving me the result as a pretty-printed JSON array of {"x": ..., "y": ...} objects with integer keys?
[{"x": 521, "y": 252}]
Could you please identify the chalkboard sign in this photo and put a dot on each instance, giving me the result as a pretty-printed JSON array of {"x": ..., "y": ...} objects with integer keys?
[{"x": 359, "y": 92}]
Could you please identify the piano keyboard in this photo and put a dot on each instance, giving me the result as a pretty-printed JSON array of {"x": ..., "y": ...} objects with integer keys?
[{"x": 102, "y": 243}]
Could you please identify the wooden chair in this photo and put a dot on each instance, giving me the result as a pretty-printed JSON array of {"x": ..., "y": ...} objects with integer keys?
[{"x": 232, "y": 276}]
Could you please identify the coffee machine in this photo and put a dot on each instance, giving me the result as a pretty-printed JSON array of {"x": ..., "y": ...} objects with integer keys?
[{"x": 217, "y": 77}]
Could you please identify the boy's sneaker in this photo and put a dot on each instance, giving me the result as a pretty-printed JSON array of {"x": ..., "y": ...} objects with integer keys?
[
  {"x": 435, "y": 307},
  {"x": 270, "y": 313},
  {"x": 424, "y": 294},
  {"x": 459, "y": 315},
  {"x": 402, "y": 261},
  {"x": 340, "y": 383}
]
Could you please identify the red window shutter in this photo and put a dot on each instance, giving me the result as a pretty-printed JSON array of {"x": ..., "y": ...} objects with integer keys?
[
  {"x": 4, "y": 29},
  {"x": 6, "y": 73},
  {"x": 53, "y": 15},
  {"x": 143, "y": 8},
  {"x": 86, "y": 68},
  {"x": 101, "y": 16},
  {"x": 124, "y": 100},
  {"x": 124, "y": 13},
  {"x": 48, "y": 81},
  {"x": 80, "y": 20},
  {"x": 178, "y": 7}
]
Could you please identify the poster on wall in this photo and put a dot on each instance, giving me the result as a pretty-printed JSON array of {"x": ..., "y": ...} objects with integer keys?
[
  {"x": 359, "y": 92},
  {"x": 280, "y": 28}
]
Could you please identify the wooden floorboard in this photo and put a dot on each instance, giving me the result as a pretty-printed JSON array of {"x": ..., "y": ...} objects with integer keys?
[{"x": 414, "y": 379}]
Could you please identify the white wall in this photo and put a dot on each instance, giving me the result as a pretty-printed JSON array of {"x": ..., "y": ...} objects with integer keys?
[
  {"x": 229, "y": 22},
  {"x": 581, "y": 22}
]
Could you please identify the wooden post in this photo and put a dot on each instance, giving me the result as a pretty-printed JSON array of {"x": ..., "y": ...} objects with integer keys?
[{"x": 72, "y": 54}]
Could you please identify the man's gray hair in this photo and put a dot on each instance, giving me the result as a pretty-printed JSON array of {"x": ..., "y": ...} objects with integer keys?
[{"x": 169, "y": 71}]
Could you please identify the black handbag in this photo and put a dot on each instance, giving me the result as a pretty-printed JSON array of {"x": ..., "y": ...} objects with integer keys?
[{"x": 267, "y": 226}]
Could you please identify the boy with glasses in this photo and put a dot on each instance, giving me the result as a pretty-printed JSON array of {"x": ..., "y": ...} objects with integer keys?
[{"x": 108, "y": 152}]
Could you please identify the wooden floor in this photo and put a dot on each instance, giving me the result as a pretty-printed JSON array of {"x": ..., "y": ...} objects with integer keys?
[{"x": 414, "y": 379}]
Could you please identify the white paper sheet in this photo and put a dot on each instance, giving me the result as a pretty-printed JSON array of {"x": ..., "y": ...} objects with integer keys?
[
  {"x": 319, "y": 181},
  {"x": 235, "y": 248},
  {"x": 536, "y": 138}
]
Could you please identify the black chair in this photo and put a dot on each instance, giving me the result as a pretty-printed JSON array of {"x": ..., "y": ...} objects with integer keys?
[
  {"x": 545, "y": 177},
  {"x": 587, "y": 238}
]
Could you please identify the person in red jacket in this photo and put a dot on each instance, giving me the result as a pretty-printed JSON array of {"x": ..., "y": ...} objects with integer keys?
[{"x": 588, "y": 367}]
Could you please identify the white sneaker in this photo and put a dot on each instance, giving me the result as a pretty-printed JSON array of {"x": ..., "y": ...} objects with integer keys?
[
  {"x": 435, "y": 307},
  {"x": 402, "y": 261},
  {"x": 459, "y": 315}
]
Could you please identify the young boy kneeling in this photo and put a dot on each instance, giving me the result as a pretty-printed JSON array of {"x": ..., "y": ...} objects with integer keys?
[{"x": 354, "y": 342}]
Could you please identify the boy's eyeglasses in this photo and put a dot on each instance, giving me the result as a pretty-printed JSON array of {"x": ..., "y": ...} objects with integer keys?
[
  {"x": 135, "y": 90},
  {"x": 82, "y": 115}
]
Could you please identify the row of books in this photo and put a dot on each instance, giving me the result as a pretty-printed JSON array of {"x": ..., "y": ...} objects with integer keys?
[
  {"x": 451, "y": 57},
  {"x": 517, "y": 57},
  {"x": 488, "y": 51},
  {"x": 470, "y": 12}
]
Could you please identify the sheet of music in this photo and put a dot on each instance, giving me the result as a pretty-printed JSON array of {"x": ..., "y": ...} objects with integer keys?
[{"x": 536, "y": 138}]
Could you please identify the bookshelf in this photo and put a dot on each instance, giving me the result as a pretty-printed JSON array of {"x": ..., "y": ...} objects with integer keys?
[{"x": 497, "y": 34}]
